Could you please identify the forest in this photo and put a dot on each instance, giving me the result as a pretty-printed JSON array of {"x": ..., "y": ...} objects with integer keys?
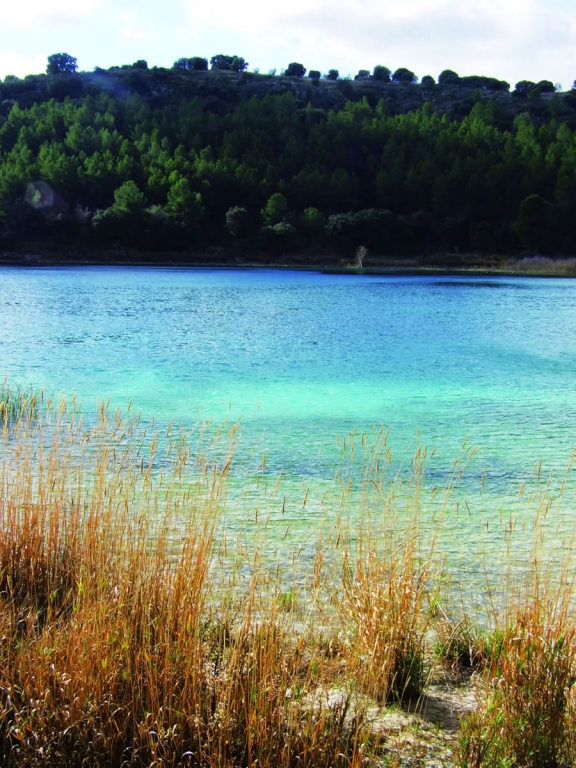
[{"x": 190, "y": 158}]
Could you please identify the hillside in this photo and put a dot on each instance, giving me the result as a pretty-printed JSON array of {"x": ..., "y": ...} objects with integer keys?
[{"x": 184, "y": 160}]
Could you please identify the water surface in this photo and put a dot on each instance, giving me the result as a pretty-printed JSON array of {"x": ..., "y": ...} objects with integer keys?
[{"x": 303, "y": 358}]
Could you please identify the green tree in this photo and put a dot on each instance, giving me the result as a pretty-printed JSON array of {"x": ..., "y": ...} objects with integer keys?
[
  {"x": 448, "y": 77},
  {"x": 128, "y": 198},
  {"x": 403, "y": 75},
  {"x": 428, "y": 81},
  {"x": 198, "y": 63},
  {"x": 61, "y": 63},
  {"x": 125, "y": 218},
  {"x": 65, "y": 85},
  {"x": 342, "y": 228},
  {"x": 546, "y": 86},
  {"x": 382, "y": 74},
  {"x": 221, "y": 61},
  {"x": 275, "y": 209},
  {"x": 314, "y": 74},
  {"x": 238, "y": 64},
  {"x": 238, "y": 222},
  {"x": 185, "y": 64},
  {"x": 311, "y": 222},
  {"x": 229, "y": 63},
  {"x": 333, "y": 74},
  {"x": 295, "y": 70},
  {"x": 524, "y": 86},
  {"x": 184, "y": 205}
]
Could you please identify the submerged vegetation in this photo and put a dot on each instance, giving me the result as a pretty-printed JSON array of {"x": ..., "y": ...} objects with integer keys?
[
  {"x": 142, "y": 624},
  {"x": 178, "y": 162}
]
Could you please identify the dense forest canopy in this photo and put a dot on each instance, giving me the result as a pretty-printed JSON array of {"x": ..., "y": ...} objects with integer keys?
[{"x": 206, "y": 153}]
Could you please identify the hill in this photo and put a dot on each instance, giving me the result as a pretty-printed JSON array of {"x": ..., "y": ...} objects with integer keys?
[{"x": 185, "y": 160}]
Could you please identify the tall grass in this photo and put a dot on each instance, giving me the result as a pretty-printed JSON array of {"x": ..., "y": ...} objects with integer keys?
[
  {"x": 526, "y": 711},
  {"x": 17, "y": 403},
  {"x": 120, "y": 644},
  {"x": 526, "y": 707},
  {"x": 133, "y": 632}
]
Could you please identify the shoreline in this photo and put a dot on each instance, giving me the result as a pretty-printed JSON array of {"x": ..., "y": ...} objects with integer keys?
[{"x": 329, "y": 263}]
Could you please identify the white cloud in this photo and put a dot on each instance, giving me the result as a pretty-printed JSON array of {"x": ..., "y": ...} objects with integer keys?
[
  {"x": 249, "y": 17},
  {"x": 30, "y": 13},
  {"x": 132, "y": 32},
  {"x": 253, "y": 16},
  {"x": 19, "y": 65}
]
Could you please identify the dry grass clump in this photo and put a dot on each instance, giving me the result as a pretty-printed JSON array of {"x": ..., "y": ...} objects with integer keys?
[
  {"x": 120, "y": 645},
  {"x": 526, "y": 713},
  {"x": 385, "y": 605}
]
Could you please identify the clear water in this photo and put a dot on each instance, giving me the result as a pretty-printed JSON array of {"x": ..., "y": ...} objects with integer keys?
[{"x": 303, "y": 357}]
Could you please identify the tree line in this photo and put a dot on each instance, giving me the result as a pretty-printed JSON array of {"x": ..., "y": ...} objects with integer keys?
[{"x": 282, "y": 171}]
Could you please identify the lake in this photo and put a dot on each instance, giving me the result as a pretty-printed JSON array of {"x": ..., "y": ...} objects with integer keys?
[{"x": 304, "y": 358}]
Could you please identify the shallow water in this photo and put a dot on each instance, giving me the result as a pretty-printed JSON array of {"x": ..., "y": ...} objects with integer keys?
[{"x": 304, "y": 358}]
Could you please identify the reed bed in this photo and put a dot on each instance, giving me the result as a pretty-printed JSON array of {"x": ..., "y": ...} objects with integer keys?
[{"x": 135, "y": 632}]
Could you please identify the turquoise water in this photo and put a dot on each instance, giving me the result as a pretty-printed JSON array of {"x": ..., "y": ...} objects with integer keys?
[{"x": 304, "y": 358}]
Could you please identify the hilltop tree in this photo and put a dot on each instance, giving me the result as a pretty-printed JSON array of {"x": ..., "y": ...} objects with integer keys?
[
  {"x": 228, "y": 63},
  {"x": 546, "y": 86},
  {"x": 196, "y": 63},
  {"x": 333, "y": 74},
  {"x": 403, "y": 75},
  {"x": 238, "y": 64},
  {"x": 60, "y": 64},
  {"x": 382, "y": 74},
  {"x": 363, "y": 74},
  {"x": 314, "y": 74},
  {"x": 220, "y": 61},
  {"x": 448, "y": 77},
  {"x": 295, "y": 70},
  {"x": 428, "y": 81}
]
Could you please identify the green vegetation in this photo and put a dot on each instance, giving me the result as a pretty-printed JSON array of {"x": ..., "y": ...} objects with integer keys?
[
  {"x": 154, "y": 159},
  {"x": 136, "y": 629},
  {"x": 17, "y": 404}
]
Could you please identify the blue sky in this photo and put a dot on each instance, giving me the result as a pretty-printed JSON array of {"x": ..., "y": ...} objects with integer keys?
[{"x": 509, "y": 39}]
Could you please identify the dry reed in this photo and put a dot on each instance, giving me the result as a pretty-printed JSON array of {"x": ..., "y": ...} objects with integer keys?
[
  {"x": 118, "y": 646},
  {"x": 133, "y": 634}
]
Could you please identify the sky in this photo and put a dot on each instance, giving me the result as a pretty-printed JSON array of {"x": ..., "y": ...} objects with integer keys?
[{"x": 509, "y": 39}]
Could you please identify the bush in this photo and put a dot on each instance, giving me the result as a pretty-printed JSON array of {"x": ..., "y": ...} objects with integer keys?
[{"x": 238, "y": 222}]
